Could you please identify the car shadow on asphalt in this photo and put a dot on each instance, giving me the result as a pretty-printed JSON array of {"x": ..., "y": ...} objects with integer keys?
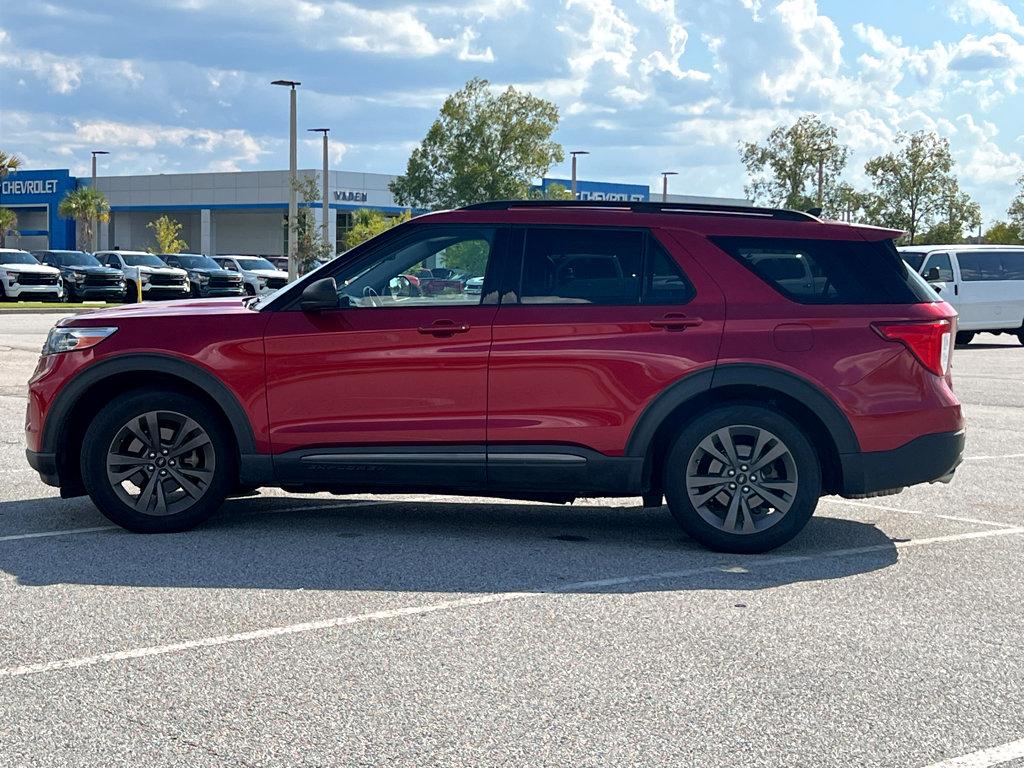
[{"x": 424, "y": 546}]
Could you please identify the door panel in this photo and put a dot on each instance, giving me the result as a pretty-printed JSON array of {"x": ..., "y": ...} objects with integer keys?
[
  {"x": 582, "y": 373},
  {"x": 360, "y": 376}
]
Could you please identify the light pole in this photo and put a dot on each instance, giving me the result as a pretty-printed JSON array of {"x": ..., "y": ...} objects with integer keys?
[
  {"x": 323, "y": 226},
  {"x": 574, "y": 153},
  {"x": 293, "y": 205},
  {"x": 664, "y": 184},
  {"x": 95, "y": 222}
]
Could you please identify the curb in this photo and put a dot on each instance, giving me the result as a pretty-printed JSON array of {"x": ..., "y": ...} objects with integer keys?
[{"x": 45, "y": 311}]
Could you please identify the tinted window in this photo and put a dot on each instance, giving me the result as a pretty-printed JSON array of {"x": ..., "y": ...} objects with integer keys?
[
  {"x": 582, "y": 266},
  {"x": 829, "y": 271},
  {"x": 253, "y": 264},
  {"x": 664, "y": 282},
  {"x": 914, "y": 258},
  {"x": 1013, "y": 265},
  {"x": 941, "y": 263},
  {"x": 191, "y": 261},
  {"x": 980, "y": 265}
]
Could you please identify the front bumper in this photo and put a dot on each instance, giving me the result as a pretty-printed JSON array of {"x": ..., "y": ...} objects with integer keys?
[
  {"x": 206, "y": 291},
  {"x": 98, "y": 292},
  {"x": 45, "y": 465},
  {"x": 17, "y": 290},
  {"x": 150, "y": 291},
  {"x": 926, "y": 459}
]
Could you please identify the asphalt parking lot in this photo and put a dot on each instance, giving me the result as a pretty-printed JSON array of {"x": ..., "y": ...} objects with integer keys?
[{"x": 419, "y": 630}]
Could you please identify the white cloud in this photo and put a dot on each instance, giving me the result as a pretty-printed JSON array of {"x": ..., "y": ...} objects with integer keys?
[{"x": 990, "y": 12}]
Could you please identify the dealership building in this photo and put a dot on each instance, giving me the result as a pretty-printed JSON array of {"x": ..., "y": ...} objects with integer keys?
[{"x": 226, "y": 213}]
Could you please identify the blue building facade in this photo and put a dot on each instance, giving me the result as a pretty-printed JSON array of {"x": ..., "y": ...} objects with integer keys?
[{"x": 34, "y": 197}]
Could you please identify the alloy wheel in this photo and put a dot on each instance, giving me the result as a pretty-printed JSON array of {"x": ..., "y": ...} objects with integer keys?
[
  {"x": 742, "y": 479},
  {"x": 161, "y": 462}
]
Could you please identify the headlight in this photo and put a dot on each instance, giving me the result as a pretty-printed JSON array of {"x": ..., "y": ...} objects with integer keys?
[
  {"x": 202, "y": 278},
  {"x": 12, "y": 276},
  {"x": 79, "y": 276},
  {"x": 144, "y": 277},
  {"x": 63, "y": 339}
]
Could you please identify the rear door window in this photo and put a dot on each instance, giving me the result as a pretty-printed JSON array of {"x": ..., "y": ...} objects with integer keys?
[
  {"x": 829, "y": 271},
  {"x": 582, "y": 265},
  {"x": 1013, "y": 265}
]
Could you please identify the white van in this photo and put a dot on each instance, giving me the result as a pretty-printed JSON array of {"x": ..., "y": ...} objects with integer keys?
[{"x": 984, "y": 283}]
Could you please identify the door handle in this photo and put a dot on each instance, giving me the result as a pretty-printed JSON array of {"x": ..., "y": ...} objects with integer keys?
[
  {"x": 672, "y": 322},
  {"x": 444, "y": 328}
]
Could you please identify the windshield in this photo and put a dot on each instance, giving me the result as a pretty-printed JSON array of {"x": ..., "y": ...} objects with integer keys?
[
  {"x": 255, "y": 264},
  {"x": 194, "y": 262},
  {"x": 914, "y": 258},
  {"x": 77, "y": 259},
  {"x": 143, "y": 260},
  {"x": 17, "y": 257}
]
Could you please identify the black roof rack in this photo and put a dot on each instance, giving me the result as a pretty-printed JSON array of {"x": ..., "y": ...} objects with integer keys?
[{"x": 649, "y": 207}]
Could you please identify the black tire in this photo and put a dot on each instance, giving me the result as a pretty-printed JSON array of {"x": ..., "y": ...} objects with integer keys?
[
  {"x": 964, "y": 338},
  {"x": 249, "y": 290},
  {"x": 801, "y": 456},
  {"x": 66, "y": 296},
  {"x": 111, "y": 423}
]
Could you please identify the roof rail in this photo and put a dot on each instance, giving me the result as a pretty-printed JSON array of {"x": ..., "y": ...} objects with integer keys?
[{"x": 649, "y": 207}]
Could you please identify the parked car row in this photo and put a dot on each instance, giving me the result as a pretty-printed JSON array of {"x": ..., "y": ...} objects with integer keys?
[{"x": 115, "y": 276}]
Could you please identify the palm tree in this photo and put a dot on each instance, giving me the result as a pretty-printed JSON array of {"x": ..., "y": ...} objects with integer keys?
[
  {"x": 8, "y": 223},
  {"x": 8, "y": 164},
  {"x": 85, "y": 205}
]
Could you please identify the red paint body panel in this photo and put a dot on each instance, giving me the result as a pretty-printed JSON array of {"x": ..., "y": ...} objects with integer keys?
[
  {"x": 583, "y": 374},
  {"x": 364, "y": 376}
]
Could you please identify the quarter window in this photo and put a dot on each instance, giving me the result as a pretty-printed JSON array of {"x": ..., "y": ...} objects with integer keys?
[
  {"x": 980, "y": 265},
  {"x": 1013, "y": 265}
]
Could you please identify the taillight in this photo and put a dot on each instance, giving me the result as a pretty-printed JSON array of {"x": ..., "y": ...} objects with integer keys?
[{"x": 930, "y": 341}]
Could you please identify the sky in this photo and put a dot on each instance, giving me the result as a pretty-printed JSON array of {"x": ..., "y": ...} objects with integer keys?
[{"x": 644, "y": 85}]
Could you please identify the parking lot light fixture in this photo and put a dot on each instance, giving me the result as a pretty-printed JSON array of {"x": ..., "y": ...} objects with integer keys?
[
  {"x": 664, "y": 184},
  {"x": 95, "y": 224},
  {"x": 293, "y": 206},
  {"x": 574, "y": 153},
  {"x": 324, "y": 181}
]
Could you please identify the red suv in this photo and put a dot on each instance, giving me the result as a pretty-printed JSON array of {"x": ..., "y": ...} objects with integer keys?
[{"x": 739, "y": 362}]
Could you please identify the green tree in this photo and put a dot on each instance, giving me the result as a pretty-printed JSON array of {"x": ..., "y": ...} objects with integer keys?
[
  {"x": 846, "y": 203},
  {"x": 311, "y": 248},
  {"x": 468, "y": 255},
  {"x": 165, "y": 232},
  {"x": 482, "y": 146},
  {"x": 85, "y": 205},
  {"x": 914, "y": 188},
  {"x": 784, "y": 171},
  {"x": 8, "y": 225},
  {"x": 369, "y": 223},
  {"x": 1016, "y": 210},
  {"x": 553, "y": 191},
  {"x": 1003, "y": 234},
  {"x": 961, "y": 214},
  {"x": 9, "y": 163}
]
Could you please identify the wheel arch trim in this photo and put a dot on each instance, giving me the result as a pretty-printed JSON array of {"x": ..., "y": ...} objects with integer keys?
[
  {"x": 765, "y": 377},
  {"x": 146, "y": 363}
]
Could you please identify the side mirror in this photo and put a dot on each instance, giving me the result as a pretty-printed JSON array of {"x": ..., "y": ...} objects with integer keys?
[
  {"x": 320, "y": 295},
  {"x": 933, "y": 275}
]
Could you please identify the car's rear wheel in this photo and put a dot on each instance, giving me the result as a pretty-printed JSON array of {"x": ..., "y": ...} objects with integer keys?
[
  {"x": 158, "y": 461},
  {"x": 964, "y": 338},
  {"x": 742, "y": 479}
]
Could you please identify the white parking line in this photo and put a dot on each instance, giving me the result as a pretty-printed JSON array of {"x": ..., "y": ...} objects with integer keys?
[
  {"x": 479, "y": 600},
  {"x": 999, "y": 456},
  {"x": 1000, "y": 754},
  {"x": 62, "y": 532},
  {"x": 857, "y": 503}
]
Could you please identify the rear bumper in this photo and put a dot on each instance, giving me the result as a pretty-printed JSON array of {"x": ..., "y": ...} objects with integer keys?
[{"x": 926, "y": 459}]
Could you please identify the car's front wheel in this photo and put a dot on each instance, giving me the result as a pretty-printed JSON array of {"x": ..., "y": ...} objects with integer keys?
[
  {"x": 158, "y": 461},
  {"x": 742, "y": 479}
]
